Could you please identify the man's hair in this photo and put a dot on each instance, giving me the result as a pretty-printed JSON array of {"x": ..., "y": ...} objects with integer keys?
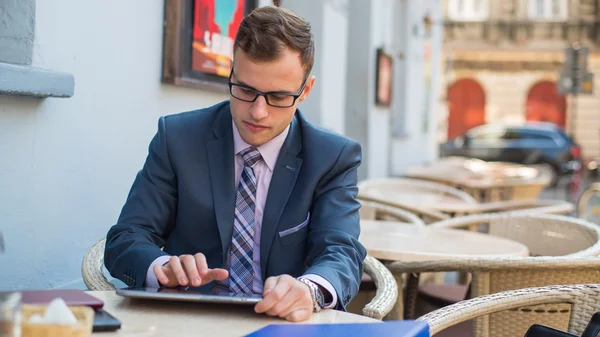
[{"x": 267, "y": 31}]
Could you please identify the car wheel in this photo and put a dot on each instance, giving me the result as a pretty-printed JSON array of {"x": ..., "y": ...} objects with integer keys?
[{"x": 550, "y": 170}]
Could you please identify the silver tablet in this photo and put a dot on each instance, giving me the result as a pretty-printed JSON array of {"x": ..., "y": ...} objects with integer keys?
[{"x": 189, "y": 295}]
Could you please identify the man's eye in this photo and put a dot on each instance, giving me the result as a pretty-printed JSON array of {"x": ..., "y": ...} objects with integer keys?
[
  {"x": 278, "y": 97},
  {"x": 247, "y": 91}
]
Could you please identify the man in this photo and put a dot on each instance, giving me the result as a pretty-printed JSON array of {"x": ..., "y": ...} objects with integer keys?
[{"x": 247, "y": 195}]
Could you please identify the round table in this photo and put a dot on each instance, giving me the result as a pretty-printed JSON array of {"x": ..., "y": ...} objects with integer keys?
[
  {"x": 167, "y": 318},
  {"x": 397, "y": 241}
]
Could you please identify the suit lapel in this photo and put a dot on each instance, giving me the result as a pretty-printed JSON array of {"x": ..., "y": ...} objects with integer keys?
[
  {"x": 220, "y": 163},
  {"x": 283, "y": 180}
]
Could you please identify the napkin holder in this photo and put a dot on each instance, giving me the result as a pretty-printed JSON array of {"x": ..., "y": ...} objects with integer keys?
[{"x": 83, "y": 327}]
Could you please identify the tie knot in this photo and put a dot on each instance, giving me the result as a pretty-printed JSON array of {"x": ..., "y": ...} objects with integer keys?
[{"x": 251, "y": 156}]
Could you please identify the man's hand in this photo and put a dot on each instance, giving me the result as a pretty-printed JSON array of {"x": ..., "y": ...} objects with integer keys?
[
  {"x": 286, "y": 297},
  {"x": 188, "y": 270}
]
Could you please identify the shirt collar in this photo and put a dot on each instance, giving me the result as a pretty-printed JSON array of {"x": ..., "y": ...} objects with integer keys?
[{"x": 269, "y": 150}]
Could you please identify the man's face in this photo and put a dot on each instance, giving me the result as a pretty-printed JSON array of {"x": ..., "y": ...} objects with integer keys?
[{"x": 257, "y": 121}]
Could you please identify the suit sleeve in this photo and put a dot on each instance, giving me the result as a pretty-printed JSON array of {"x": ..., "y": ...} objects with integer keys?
[
  {"x": 146, "y": 218},
  {"x": 334, "y": 252}
]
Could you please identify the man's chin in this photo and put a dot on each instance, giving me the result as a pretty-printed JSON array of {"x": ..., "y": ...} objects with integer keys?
[{"x": 253, "y": 140}]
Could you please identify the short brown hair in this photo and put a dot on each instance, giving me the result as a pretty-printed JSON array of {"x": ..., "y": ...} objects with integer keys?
[{"x": 267, "y": 31}]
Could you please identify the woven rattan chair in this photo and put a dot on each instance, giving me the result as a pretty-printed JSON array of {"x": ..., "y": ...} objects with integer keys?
[
  {"x": 396, "y": 191},
  {"x": 377, "y": 191},
  {"x": 92, "y": 268},
  {"x": 388, "y": 187},
  {"x": 371, "y": 210},
  {"x": 383, "y": 302},
  {"x": 543, "y": 234},
  {"x": 549, "y": 237},
  {"x": 567, "y": 308},
  {"x": 517, "y": 206}
]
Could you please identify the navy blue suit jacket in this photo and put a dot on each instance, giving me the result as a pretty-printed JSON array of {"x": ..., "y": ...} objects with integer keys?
[{"x": 183, "y": 200}]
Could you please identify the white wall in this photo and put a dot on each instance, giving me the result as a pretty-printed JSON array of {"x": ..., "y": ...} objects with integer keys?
[
  {"x": 391, "y": 24},
  {"x": 382, "y": 22},
  {"x": 417, "y": 144},
  {"x": 66, "y": 165}
]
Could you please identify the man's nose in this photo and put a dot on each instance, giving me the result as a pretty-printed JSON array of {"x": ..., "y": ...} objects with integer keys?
[{"x": 258, "y": 110}]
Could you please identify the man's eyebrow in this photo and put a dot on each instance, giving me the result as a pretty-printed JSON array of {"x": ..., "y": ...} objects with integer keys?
[
  {"x": 244, "y": 84},
  {"x": 238, "y": 81}
]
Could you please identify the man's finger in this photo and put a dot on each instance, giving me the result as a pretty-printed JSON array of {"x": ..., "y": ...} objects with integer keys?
[
  {"x": 191, "y": 270},
  {"x": 175, "y": 265},
  {"x": 289, "y": 300},
  {"x": 270, "y": 284},
  {"x": 215, "y": 274},
  {"x": 160, "y": 274},
  {"x": 202, "y": 266},
  {"x": 274, "y": 296},
  {"x": 304, "y": 301},
  {"x": 299, "y": 315}
]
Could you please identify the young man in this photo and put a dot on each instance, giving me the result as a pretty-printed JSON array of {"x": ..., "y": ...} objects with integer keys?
[{"x": 247, "y": 195}]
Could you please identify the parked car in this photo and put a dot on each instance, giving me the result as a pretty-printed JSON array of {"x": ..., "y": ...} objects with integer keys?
[{"x": 533, "y": 143}]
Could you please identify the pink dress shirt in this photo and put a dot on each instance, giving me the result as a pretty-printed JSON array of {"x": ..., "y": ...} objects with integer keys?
[{"x": 263, "y": 170}]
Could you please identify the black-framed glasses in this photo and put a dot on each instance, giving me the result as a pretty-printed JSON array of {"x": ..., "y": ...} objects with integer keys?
[{"x": 277, "y": 99}]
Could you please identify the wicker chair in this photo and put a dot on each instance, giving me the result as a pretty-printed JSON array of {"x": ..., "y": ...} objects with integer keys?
[
  {"x": 389, "y": 191},
  {"x": 382, "y": 192},
  {"x": 567, "y": 308},
  {"x": 378, "y": 307},
  {"x": 543, "y": 234},
  {"x": 372, "y": 210},
  {"x": 549, "y": 237},
  {"x": 92, "y": 268},
  {"x": 388, "y": 187}
]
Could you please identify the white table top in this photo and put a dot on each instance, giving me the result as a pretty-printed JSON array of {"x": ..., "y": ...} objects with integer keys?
[
  {"x": 168, "y": 319},
  {"x": 397, "y": 241}
]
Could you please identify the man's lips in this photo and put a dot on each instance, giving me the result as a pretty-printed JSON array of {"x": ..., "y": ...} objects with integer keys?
[{"x": 254, "y": 127}]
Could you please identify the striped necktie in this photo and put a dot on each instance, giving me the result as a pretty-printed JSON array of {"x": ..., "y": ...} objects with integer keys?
[{"x": 242, "y": 239}]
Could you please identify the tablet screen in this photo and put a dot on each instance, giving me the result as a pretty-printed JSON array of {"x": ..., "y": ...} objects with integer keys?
[{"x": 187, "y": 294}]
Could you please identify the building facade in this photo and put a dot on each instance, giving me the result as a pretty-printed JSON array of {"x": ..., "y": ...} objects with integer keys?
[{"x": 502, "y": 62}]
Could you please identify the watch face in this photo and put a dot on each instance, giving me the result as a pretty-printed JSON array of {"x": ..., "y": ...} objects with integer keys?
[{"x": 320, "y": 298}]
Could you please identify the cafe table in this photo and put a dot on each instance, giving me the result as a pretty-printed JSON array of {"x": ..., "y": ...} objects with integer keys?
[
  {"x": 398, "y": 241},
  {"x": 485, "y": 181},
  {"x": 169, "y": 318}
]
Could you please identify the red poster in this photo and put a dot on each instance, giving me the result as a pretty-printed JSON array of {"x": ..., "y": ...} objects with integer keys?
[{"x": 216, "y": 23}]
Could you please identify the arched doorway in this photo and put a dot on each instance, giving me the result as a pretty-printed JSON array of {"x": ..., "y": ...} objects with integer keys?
[
  {"x": 467, "y": 106},
  {"x": 545, "y": 104}
]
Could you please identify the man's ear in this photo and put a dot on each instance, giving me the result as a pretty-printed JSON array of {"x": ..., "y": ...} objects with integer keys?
[{"x": 310, "y": 83}]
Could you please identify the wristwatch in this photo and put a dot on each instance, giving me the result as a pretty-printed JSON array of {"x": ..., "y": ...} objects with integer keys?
[{"x": 316, "y": 294}]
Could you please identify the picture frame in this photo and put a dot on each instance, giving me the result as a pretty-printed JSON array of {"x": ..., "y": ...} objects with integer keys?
[
  {"x": 197, "y": 51},
  {"x": 383, "y": 78}
]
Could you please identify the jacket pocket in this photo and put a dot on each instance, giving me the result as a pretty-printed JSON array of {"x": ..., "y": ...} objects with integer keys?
[{"x": 294, "y": 234}]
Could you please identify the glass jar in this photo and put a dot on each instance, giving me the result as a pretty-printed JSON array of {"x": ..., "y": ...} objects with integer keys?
[{"x": 10, "y": 314}]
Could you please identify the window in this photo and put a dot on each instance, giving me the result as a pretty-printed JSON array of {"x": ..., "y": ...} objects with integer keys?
[
  {"x": 548, "y": 10},
  {"x": 468, "y": 10},
  {"x": 512, "y": 135},
  {"x": 487, "y": 134}
]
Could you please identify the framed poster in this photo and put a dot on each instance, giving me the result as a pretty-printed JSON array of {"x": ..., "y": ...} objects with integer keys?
[
  {"x": 198, "y": 41},
  {"x": 383, "y": 79}
]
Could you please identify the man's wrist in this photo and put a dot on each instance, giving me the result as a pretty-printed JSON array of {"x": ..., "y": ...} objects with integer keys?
[{"x": 315, "y": 292}]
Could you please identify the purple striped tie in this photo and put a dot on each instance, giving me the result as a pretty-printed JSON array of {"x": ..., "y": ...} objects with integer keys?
[{"x": 242, "y": 238}]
